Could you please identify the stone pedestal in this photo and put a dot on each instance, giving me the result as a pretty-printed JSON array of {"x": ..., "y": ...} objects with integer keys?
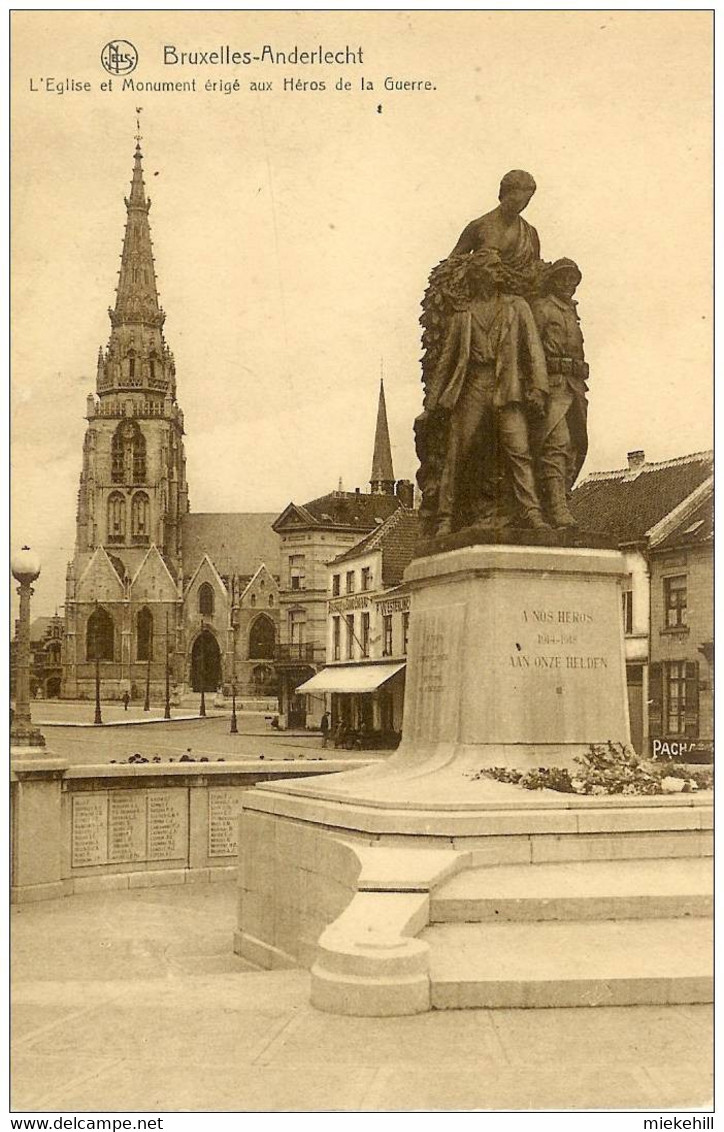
[
  {"x": 515, "y": 658},
  {"x": 36, "y": 834},
  {"x": 516, "y": 655}
]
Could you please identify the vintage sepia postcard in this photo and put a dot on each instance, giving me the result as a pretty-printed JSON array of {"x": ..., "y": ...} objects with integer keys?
[{"x": 361, "y": 539}]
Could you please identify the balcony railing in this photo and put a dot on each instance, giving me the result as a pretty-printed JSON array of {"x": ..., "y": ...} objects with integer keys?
[{"x": 307, "y": 651}]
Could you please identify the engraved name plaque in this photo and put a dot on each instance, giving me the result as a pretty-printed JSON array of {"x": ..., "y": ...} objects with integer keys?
[
  {"x": 224, "y": 806},
  {"x": 166, "y": 823},
  {"x": 127, "y": 825},
  {"x": 89, "y": 830}
]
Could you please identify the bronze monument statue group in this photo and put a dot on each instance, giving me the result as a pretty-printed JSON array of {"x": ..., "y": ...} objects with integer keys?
[{"x": 502, "y": 436}]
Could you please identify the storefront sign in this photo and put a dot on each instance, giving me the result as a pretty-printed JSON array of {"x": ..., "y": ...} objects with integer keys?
[{"x": 393, "y": 605}]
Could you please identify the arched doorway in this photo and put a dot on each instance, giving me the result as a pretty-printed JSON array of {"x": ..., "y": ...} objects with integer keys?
[
  {"x": 205, "y": 663},
  {"x": 262, "y": 638},
  {"x": 52, "y": 688}
]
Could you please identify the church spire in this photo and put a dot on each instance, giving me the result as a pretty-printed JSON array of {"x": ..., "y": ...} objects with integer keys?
[
  {"x": 382, "y": 479},
  {"x": 137, "y": 296},
  {"x": 137, "y": 357}
]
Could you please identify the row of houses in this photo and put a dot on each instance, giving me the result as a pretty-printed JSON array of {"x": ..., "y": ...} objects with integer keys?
[{"x": 661, "y": 517}]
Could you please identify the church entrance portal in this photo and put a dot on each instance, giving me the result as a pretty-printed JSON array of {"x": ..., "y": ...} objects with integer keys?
[{"x": 205, "y": 663}]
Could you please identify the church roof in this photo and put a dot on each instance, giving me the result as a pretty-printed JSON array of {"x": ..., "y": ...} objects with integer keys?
[
  {"x": 236, "y": 543},
  {"x": 627, "y": 502}
]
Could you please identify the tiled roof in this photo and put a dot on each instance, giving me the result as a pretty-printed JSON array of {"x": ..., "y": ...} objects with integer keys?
[
  {"x": 350, "y": 509},
  {"x": 695, "y": 529},
  {"x": 236, "y": 543},
  {"x": 396, "y": 538},
  {"x": 625, "y": 504}
]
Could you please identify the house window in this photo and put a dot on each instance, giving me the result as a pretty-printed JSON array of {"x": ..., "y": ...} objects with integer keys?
[
  {"x": 365, "y": 634},
  {"x": 296, "y": 571},
  {"x": 336, "y": 638},
  {"x": 405, "y": 631},
  {"x": 99, "y": 636},
  {"x": 366, "y": 578},
  {"x": 116, "y": 517},
  {"x": 206, "y": 600},
  {"x": 144, "y": 635},
  {"x": 350, "y": 582},
  {"x": 675, "y": 601},
  {"x": 676, "y": 697},
  {"x": 387, "y": 635},
  {"x": 349, "y": 619},
  {"x": 335, "y": 585},
  {"x": 297, "y": 626},
  {"x": 627, "y": 610}
]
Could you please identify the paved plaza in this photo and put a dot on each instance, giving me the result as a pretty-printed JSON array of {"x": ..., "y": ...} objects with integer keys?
[
  {"x": 140, "y": 1004},
  {"x": 207, "y": 737}
]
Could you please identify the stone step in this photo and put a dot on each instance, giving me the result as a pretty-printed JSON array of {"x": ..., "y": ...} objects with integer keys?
[
  {"x": 594, "y": 963},
  {"x": 577, "y": 890}
]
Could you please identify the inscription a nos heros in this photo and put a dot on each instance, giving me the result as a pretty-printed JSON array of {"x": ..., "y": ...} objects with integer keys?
[{"x": 555, "y": 661}]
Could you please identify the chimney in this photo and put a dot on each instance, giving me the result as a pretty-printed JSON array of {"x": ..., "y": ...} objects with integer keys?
[
  {"x": 636, "y": 459},
  {"x": 405, "y": 493}
]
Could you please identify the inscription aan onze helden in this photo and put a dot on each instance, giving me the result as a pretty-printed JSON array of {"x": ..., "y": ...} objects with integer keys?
[{"x": 556, "y": 617}]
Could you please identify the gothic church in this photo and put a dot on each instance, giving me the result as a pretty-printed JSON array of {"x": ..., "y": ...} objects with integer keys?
[{"x": 151, "y": 584}]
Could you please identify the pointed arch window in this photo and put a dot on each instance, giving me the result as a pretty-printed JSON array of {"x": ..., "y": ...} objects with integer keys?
[
  {"x": 262, "y": 638},
  {"x": 99, "y": 635},
  {"x": 139, "y": 456},
  {"x": 117, "y": 475},
  {"x": 116, "y": 517},
  {"x": 206, "y": 600},
  {"x": 128, "y": 454},
  {"x": 144, "y": 634},
  {"x": 140, "y": 515}
]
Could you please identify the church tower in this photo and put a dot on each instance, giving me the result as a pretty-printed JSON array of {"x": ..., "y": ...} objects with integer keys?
[
  {"x": 126, "y": 571},
  {"x": 382, "y": 478}
]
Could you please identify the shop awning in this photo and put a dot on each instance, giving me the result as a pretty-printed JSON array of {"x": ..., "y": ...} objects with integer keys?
[{"x": 351, "y": 678}]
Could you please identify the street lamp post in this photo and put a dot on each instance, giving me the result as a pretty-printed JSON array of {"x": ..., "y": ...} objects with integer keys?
[
  {"x": 202, "y": 705},
  {"x": 98, "y": 718},
  {"x": 25, "y": 566},
  {"x": 233, "y": 729},
  {"x": 147, "y": 700},
  {"x": 167, "y": 705}
]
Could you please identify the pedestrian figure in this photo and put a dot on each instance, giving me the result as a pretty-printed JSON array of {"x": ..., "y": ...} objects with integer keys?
[
  {"x": 324, "y": 728},
  {"x": 126, "y": 700}
]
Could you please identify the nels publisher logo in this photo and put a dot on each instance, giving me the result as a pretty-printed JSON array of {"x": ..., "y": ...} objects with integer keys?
[{"x": 119, "y": 57}]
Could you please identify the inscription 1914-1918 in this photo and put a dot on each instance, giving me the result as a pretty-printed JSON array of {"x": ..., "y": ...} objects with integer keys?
[{"x": 559, "y": 661}]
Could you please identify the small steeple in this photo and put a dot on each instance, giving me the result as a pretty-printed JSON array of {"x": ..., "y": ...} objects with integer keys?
[{"x": 382, "y": 479}]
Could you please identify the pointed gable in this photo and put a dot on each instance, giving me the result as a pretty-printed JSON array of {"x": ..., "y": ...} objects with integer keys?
[
  {"x": 258, "y": 589},
  {"x": 152, "y": 580},
  {"x": 100, "y": 581},
  {"x": 206, "y": 572}
]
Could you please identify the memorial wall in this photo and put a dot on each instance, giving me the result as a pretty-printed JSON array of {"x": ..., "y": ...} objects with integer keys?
[{"x": 132, "y": 826}]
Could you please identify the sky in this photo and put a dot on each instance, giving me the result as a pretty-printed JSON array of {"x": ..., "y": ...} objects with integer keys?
[{"x": 294, "y": 231}]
